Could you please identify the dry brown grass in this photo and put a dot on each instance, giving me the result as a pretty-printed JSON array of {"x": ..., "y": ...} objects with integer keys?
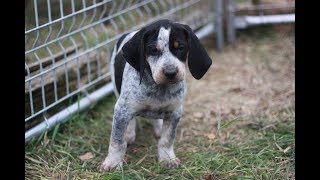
[{"x": 251, "y": 80}]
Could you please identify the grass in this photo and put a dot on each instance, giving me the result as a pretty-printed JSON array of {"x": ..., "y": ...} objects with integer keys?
[
  {"x": 258, "y": 142},
  {"x": 258, "y": 155}
]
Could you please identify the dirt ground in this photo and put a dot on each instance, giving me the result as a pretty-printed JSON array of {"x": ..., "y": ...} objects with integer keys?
[{"x": 253, "y": 79}]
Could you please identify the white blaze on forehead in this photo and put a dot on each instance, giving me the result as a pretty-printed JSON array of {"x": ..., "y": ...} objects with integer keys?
[
  {"x": 163, "y": 37},
  {"x": 158, "y": 63}
]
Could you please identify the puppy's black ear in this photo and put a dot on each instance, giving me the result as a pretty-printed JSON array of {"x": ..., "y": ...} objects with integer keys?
[
  {"x": 198, "y": 58},
  {"x": 133, "y": 51}
]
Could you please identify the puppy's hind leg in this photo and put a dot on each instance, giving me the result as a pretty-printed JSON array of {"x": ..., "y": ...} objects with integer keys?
[
  {"x": 157, "y": 127},
  {"x": 130, "y": 134}
]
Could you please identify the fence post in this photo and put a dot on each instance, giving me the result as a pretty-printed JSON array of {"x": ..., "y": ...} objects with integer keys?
[
  {"x": 231, "y": 31},
  {"x": 218, "y": 23}
]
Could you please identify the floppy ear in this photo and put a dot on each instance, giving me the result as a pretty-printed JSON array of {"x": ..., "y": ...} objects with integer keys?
[
  {"x": 198, "y": 58},
  {"x": 133, "y": 51}
]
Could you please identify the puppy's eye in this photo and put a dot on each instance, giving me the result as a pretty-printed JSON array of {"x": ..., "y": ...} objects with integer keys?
[
  {"x": 154, "y": 51},
  {"x": 181, "y": 48},
  {"x": 178, "y": 46}
]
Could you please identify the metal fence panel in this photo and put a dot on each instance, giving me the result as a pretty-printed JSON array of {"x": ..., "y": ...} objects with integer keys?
[
  {"x": 218, "y": 23},
  {"x": 68, "y": 45},
  {"x": 263, "y": 12},
  {"x": 245, "y": 13}
]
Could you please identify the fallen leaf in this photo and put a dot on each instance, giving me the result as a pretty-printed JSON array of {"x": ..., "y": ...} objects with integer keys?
[
  {"x": 233, "y": 111},
  {"x": 208, "y": 176},
  {"x": 236, "y": 90},
  {"x": 198, "y": 115},
  {"x": 213, "y": 111},
  {"x": 86, "y": 156},
  {"x": 210, "y": 136}
]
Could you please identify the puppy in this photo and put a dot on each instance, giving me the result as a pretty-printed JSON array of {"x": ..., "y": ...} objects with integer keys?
[{"x": 148, "y": 70}]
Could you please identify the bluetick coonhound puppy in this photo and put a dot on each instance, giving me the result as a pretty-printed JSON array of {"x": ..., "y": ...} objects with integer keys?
[{"x": 148, "y": 72}]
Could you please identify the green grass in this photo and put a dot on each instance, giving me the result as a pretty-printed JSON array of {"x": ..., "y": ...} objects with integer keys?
[{"x": 256, "y": 153}]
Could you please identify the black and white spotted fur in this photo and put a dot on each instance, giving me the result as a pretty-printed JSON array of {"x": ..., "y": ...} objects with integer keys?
[{"x": 148, "y": 70}]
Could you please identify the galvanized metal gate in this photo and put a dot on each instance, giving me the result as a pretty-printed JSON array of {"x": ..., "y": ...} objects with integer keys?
[{"x": 68, "y": 45}]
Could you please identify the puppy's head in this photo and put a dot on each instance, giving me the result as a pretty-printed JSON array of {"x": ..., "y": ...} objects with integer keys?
[{"x": 166, "y": 47}]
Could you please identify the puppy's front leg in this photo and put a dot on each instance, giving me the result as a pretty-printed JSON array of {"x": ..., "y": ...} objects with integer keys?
[
  {"x": 118, "y": 144},
  {"x": 166, "y": 141}
]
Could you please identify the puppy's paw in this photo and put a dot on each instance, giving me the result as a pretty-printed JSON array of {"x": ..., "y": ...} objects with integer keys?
[
  {"x": 170, "y": 163},
  {"x": 108, "y": 166}
]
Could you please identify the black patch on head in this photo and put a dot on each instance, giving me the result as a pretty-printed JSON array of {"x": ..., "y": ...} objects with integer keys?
[
  {"x": 151, "y": 43},
  {"x": 136, "y": 49},
  {"x": 179, "y": 35},
  {"x": 120, "y": 40},
  {"x": 119, "y": 64},
  {"x": 198, "y": 58}
]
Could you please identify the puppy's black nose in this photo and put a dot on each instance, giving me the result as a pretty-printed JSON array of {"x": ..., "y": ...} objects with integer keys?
[{"x": 170, "y": 72}]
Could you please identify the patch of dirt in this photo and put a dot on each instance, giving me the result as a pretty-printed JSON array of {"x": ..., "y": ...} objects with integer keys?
[{"x": 253, "y": 79}]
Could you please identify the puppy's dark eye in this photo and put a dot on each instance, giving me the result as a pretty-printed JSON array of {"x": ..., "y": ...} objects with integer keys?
[
  {"x": 154, "y": 51},
  {"x": 181, "y": 48}
]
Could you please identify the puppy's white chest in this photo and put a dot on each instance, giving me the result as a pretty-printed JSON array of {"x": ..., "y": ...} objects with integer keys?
[
  {"x": 157, "y": 105},
  {"x": 156, "y": 109}
]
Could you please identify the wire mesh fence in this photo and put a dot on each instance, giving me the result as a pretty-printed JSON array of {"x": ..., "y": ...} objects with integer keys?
[
  {"x": 245, "y": 13},
  {"x": 264, "y": 7},
  {"x": 68, "y": 45}
]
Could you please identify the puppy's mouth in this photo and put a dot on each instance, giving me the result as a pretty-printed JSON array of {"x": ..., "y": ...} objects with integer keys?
[
  {"x": 174, "y": 81},
  {"x": 169, "y": 81}
]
